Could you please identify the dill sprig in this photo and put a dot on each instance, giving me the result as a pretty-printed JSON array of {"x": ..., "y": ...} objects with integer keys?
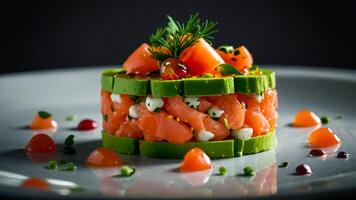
[{"x": 171, "y": 40}]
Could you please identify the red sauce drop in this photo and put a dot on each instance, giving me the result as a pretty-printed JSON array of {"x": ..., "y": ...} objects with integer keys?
[
  {"x": 35, "y": 183},
  {"x": 342, "y": 154},
  {"x": 87, "y": 125},
  {"x": 41, "y": 143},
  {"x": 317, "y": 152},
  {"x": 102, "y": 157},
  {"x": 303, "y": 169}
]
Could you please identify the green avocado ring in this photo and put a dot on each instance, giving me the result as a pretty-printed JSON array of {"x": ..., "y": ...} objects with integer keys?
[
  {"x": 115, "y": 81},
  {"x": 214, "y": 149}
]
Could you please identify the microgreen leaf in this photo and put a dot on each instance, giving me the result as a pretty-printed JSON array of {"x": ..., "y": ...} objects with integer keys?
[
  {"x": 227, "y": 69},
  {"x": 44, "y": 114},
  {"x": 226, "y": 48}
]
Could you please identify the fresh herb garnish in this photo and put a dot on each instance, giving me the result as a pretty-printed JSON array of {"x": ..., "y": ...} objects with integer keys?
[
  {"x": 248, "y": 171},
  {"x": 70, "y": 166},
  {"x": 325, "y": 120},
  {"x": 227, "y": 69},
  {"x": 222, "y": 171},
  {"x": 283, "y": 165},
  {"x": 127, "y": 171},
  {"x": 44, "y": 114},
  {"x": 157, "y": 109},
  {"x": 226, "y": 48},
  {"x": 69, "y": 141},
  {"x": 52, "y": 164},
  {"x": 71, "y": 117},
  {"x": 105, "y": 117},
  {"x": 171, "y": 40}
]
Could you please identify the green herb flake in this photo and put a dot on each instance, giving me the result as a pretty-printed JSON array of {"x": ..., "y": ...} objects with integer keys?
[
  {"x": 52, "y": 164},
  {"x": 226, "y": 48},
  {"x": 283, "y": 165},
  {"x": 157, "y": 110},
  {"x": 248, "y": 171},
  {"x": 71, "y": 117},
  {"x": 127, "y": 171},
  {"x": 339, "y": 117},
  {"x": 227, "y": 69},
  {"x": 69, "y": 141},
  {"x": 105, "y": 117},
  {"x": 325, "y": 120},
  {"x": 70, "y": 166},
  {"x": 44, "y": 114},
  {"x": 222, "y": 171}
]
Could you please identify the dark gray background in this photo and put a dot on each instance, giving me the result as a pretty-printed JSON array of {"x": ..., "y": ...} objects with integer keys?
[{"x": 57, "y": 34}]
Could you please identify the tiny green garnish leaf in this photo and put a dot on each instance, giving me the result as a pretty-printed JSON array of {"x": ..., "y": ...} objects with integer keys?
[
  {"x": 105, "y": 117},
  {"x": 222, "y": 171},
  {"x": 325, "y": 120},
  {"x": 248, "y": 171},
  {"x": 69, "y": 141},
  {"x": 71, "y": 117},
  {"x": 226, "y": 48},
  {"x": 254, "y": 67},
  {"x": 157, "y": 110},
  {"x": 127, "y": 171},
  {"x": 44, "y": 114},
  {"x": 70, "y": 166},
  {"x": 52, "y": 164},
  {"x": 227, "y": 69},
  {"x": 283, "y": 165}
]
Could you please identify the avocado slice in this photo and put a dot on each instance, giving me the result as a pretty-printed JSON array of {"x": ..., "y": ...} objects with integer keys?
[
  {"x": 208, "y": 86},
  {"x": 255, "y": 144},
  {"x": 131, "y": 86},
  {"x": 255, "y": 84},
  {"x": 117, "y": 82},
  {"x": 107, "y": 78},
  {"x": 124, "y": 145},
  {"x": 214, "y": 149},
  {"x": 166, "y": 88}
]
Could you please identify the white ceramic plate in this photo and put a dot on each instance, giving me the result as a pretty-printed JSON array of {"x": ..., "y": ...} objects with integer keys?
[{"x": 328, "y": 92}]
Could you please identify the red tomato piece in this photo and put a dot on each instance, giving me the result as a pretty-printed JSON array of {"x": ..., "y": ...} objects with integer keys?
[
  {"x": 200, "y": 58},
  {"x": 140, "y": 62},
  {"x": 195, "y": 160},
  {"x": 87, "y": 125},
  {"x": 41, "y": 143}
]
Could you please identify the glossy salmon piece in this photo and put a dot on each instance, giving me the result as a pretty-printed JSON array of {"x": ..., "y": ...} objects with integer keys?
[
  {"x": 158, "y": 126},
  {"x": 204, "y": 105},
  {"x": 254, "y": 117},
  {"x": 269, "y": 106},
  {"x": 233, "y": 110},
  {"x": 323, "y": 137},
  {"x": 129, "y": 129},
  {"x": 198, "y": 120},
  {"x": 306, "y": 118},
  {"x": 195, "y": 160}
]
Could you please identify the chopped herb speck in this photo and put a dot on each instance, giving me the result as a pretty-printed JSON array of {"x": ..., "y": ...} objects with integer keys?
[
  {"x": 105, "y": 117},
  {"x": 325, "y": 120},
  {"x": 127, "y": 171},
  {"x": 71, "y": 117},
  {"x": 226, "y": 48},
  {"x": 283, "y": 165},
  {"x": 248, "y": 171},
  {"x": 69, "y": 167},
  {"x": 52, "y": 164},
  {"x": 157, "y": 110},
  {"x": 222, "y": 171},
  {"x": 44, "y": 114},
  {"x": 69, "y": 141}
]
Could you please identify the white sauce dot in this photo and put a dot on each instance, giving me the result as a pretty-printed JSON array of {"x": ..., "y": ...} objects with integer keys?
[
  {"x": 242, "y": 133},
  {"x": 133, "y": 112},
  {"x": 204, "y": 136},
  {"x": 115, "y": 98},
  {"x": 152, "y": 103}
]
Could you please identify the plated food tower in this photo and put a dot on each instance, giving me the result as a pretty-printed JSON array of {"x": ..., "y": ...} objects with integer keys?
[{"x": 178, "y": 92}]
